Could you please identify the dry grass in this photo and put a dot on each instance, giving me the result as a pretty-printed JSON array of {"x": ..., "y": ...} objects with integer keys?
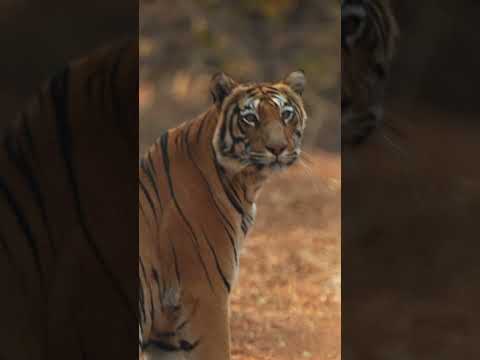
[{"x": 287, "y": 303}]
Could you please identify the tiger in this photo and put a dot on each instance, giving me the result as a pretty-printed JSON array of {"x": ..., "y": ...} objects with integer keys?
[
  {"x": 198, "y": 184},
  {"x": 369, "y": 33},
  {"x": 68, "y": 233}
]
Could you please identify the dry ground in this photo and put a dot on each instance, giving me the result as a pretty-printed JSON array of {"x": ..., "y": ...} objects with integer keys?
[{"x": 287, "y": 303}]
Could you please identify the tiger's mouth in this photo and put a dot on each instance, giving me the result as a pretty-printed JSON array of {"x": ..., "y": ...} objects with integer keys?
[{"x": 272, "y": 162}]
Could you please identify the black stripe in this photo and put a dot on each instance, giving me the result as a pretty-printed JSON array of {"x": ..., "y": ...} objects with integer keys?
[
  {"x": 152, "y": 165},
  {"x": 142, "y": 210},
  {"x": 217, "y": 263},
  {"x": 232, "y": 196},
  {"x": 229, "y": 191},
  {"x": 269, "y": 89},
  {"x": 149, "y": 198},
  {"x": 228, "y": 114},
  {"x": 25, "y": 226},
  {"x": 166, "y": 334},
  {"x": 253, "y": 92},
  {"x": 236, "y": 139},
  {"x": 17, "y": 156},
  {"x": 224, "y": 219},
  {"x": 145, "y": 281},
  {"x": 200, "y": 129},
  {"x": 59, "y": 86},
  {"x": 160, "y": 289},
  {"x": 244, "y": 227},
  {"x": 175, "y": 259},
  {"x": 141, "y": 301},
  {"x": 156, "y": 278},
  {"x": 151, "y": 204},
  {"x": 184, "y": 346},
  {"x": 152, "y": 179},
  {"x": 166, "y": 163}
]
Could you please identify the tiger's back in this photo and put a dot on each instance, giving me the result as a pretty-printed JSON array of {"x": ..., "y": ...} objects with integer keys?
[{"x": 192, "y": 210}]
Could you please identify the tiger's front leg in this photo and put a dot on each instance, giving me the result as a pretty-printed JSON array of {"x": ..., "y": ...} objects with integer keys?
[
  {"x": 156, "y": 354},
  {"x": 203, "y": 333},
  {"x": 210, "y": 326}
]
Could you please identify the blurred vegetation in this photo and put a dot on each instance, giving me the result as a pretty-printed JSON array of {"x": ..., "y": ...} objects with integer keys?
[{"x": 183, "y": 43}]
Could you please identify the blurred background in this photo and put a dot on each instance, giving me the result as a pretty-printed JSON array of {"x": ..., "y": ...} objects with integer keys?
[
  {"x": 184, "y": 43},
  {"x": 287, "y": 303},
  {"x": 37, "y": 42},
  {"x": 411, "y": 199}
]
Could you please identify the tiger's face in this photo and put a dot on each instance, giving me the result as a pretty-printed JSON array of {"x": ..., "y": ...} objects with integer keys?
[
  {"x": 259, "y": 125},
  {"x": 368, "y": 34}
]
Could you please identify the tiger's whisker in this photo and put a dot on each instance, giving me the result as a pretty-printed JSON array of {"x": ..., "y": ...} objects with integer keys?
[{"x": 308, "y": 171}]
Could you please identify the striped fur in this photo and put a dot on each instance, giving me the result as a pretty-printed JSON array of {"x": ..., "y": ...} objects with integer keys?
[
  {"x": 197, "y": 188},
  {"x": 56, "y": 238},
  {"x": 369, "y": 32}
]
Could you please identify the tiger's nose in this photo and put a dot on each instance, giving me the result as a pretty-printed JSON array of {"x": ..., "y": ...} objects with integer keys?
[{"x": 276, "y": 149}]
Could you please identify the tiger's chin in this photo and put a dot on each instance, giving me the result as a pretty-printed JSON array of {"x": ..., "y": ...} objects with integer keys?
[
  {"x": 236, "y": 165},
  {"x": 276, "y": 165}
]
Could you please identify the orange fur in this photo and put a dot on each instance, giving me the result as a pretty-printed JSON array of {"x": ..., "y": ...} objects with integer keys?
[{"x": 197, "y": 206}]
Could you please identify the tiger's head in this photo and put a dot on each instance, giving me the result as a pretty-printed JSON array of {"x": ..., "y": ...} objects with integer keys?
[
  {"x": 259, "y": 125},
  {"x": 369, "y": 31}
]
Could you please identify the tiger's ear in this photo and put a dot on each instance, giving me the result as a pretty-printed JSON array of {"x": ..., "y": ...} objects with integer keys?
[
  {"x": 221, "y": 86},
  {"x": 296, "y": 81}
]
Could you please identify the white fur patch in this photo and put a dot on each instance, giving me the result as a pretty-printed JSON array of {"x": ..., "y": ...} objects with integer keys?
[{"x": 280, "y": 100}]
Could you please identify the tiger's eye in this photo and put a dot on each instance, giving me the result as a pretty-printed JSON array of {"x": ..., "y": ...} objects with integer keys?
[
  {"x": 287, "y": 115},
  {"x": 249, "y": 119}
]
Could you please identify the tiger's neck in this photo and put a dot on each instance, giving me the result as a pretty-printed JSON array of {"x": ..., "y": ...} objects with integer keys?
[
  {"x": 196, "y": 144},
  {"x": 188, "y": 150},
  {"x": 188, "y": 196}
]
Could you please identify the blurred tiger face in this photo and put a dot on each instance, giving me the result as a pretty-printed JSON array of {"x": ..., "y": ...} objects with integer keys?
[
  {"x": 260, "y": 125},
  {"x": 368, "y": 35}
]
